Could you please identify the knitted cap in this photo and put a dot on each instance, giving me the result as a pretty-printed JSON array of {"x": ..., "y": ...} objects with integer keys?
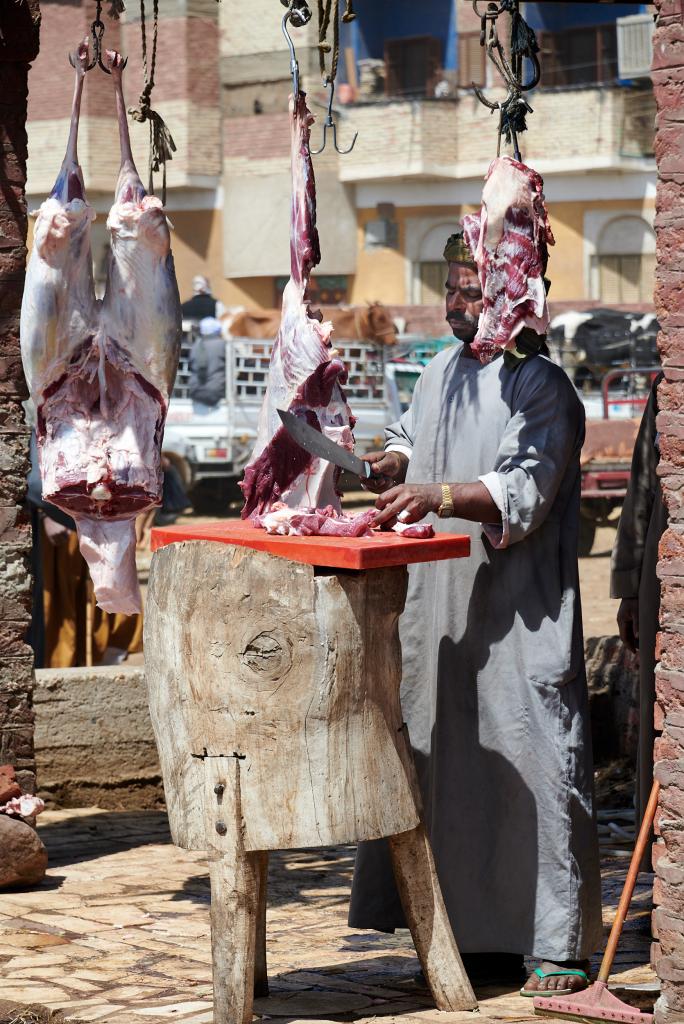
[{"x": 457, "y": 251}]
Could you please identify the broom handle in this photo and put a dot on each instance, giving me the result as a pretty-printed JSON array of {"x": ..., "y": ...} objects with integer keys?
[
  {"x": 630, "y": 882},
  {"x": 90, "y": 613}
]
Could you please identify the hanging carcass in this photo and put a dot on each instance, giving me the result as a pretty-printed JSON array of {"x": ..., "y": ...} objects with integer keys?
[{"x": 101, "y": 372}]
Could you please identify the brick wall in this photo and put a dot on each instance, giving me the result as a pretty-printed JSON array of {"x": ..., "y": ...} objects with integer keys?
[
  {"x": 186, "y": 94},
  {"x": 18, "y": 45},
  {"x": 668, "y": 918}
]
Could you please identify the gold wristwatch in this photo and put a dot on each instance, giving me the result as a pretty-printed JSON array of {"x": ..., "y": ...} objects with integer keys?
[{"x": 446, "y": 509}]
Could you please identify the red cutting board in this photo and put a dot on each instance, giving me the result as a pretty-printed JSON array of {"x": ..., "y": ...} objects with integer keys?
[{"x": 336, "y": 552}]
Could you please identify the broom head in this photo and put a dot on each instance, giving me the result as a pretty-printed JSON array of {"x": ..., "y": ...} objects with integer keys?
[{"x": 594, "y": 1004}]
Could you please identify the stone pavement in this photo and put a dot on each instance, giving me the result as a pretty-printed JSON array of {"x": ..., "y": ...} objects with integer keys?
[{"x": 119, "y": 932}]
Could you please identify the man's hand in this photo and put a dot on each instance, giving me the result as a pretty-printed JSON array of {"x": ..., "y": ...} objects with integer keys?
[
  {"x": 628, "y": 623},
  {"x": 388, "y": 469},
  {"x": 409, "y": 502}
]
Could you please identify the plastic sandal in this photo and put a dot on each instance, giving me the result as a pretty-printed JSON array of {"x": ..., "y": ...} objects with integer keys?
[{"x": 545, "y": 993}]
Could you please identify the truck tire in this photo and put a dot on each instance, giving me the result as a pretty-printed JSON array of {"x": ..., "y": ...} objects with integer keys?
[{"x": 587, "y": 534}]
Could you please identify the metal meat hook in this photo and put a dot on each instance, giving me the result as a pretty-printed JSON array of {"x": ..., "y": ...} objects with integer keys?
[
  {"x": 299, "y": 14},
  {"x": 495, "y": 52},
  {"x": 329, "y": 123},
  {"x": 97, "y": 31}
]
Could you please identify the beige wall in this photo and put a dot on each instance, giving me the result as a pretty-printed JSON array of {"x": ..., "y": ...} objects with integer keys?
[
  {"x": 196, "y": 242},
  {"x": 384, "y": 274},
  {"x": 567, "y": 263}
]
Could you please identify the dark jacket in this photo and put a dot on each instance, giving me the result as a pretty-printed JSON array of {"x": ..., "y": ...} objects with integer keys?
[
  {"x": 208, "y": 370},
  {"x": 199, "y": 307}
]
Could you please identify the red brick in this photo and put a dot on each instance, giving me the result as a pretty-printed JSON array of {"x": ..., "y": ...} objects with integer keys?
[
  {"x": 670, "y": 746},
  {"x": 17, "y": 45},
  {"x": 667, "y": 51}
]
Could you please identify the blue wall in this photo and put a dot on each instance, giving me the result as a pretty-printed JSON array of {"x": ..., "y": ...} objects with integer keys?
[
  {"x": 555, "y": 16},
  {"x": 378, "y": 20}
]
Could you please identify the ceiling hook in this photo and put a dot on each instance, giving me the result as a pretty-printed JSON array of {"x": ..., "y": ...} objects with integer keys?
[
  {"x": 294, "y": 66},
  {"x": 329, "y": 123}
]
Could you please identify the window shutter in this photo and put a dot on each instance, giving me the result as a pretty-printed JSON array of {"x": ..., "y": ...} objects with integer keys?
[
  {"x": 471, "y": 61},
  {"x": 412, "y": 65}
]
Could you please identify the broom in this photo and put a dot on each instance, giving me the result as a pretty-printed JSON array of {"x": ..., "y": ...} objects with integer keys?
[{"x": 596, "y": 1003}]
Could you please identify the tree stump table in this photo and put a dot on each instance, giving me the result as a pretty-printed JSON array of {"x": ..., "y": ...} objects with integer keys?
[{"x": 273, "y": 681}]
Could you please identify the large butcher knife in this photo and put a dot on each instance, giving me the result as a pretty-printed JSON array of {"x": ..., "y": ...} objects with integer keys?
[{"x": 316, "y": 443}]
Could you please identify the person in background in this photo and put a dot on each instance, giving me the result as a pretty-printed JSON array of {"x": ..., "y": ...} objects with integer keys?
[
  {"x": 207, "y": 384},
  {"x": 62, "y": 593},
  {"x": 633, "y": 579},
  {"x": 202, "y": 304}
]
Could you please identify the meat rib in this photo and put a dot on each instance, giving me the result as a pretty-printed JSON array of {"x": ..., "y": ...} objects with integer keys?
[
  {"x": 305, "y": 374},
  {"x": 509, "y": 240},
  {"x": 100, "y": 373}
]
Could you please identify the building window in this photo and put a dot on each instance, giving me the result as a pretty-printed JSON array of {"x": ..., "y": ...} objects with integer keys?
[
  {"x": 429, "y": 268},
  {"x": 323, "y": 290},
  {"x": 412, "y": 66},
  {"x": 472, "y": 60},
  {"x": 586, "y": 55},
  {"x": 432, "y": 275},
  {"x": 624, "y": 265}
]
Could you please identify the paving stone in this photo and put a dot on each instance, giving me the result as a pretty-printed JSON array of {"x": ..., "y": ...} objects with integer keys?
[{"x": 128, "y": 921}]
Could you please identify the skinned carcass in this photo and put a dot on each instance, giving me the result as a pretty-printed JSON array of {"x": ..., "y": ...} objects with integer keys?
[
  {"x": 509, "y": 240},
  {"x": 306, "y": 374},
  {"x": 100, "y": 373}
]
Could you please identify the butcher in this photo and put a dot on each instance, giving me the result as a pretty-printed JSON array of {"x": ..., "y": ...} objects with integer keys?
[{"x": 494, "y": 690}]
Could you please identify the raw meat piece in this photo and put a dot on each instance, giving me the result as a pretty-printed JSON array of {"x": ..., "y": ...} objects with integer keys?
[
  {"x": 509, "y": 239},
  {"x": 24, "y": 806},
  {"x": 306, "y": 374},
  {"x": 100, "y": 373},
  {"x": 414, "y": 530},
  {"x": 328, "y": 522},
  {"x": 311, "y": 522}
]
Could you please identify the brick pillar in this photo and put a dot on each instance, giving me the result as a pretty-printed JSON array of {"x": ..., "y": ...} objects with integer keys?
[
  {"x": 18, "y": 45},
  {"x": 668, "y": 918}
]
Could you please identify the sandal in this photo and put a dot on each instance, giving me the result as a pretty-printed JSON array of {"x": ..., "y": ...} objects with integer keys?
[{"x": 544, "y": 993}]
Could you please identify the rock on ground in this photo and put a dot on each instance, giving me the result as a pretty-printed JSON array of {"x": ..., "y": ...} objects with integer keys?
[
  {"x": 23, "y": 857},
  {"x": 9, "y": 787}
]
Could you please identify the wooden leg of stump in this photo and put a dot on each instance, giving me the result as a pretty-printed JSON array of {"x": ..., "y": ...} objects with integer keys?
[
  {"x": 234, "y": 912},
  {"x": 421, "y": 897},
  {"x": 260, "y": 971}
]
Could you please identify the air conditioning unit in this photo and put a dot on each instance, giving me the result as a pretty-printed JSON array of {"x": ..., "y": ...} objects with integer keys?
[
  {"x": 382, "y": 233},
  {"x": 635, "y": 45}
]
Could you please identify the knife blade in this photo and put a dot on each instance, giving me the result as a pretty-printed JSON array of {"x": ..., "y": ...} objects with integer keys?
[{"x": 316, "y": 443}]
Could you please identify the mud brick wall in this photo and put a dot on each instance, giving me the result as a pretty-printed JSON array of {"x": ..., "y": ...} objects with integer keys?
[
  {"x": 18, "y": 45},
  {"x": 668, "y": 918}
]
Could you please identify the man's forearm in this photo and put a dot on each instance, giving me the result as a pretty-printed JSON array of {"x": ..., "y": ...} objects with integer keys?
[
  {"x": 475, "y": 503},
  {"x": 412, "y": 502}
]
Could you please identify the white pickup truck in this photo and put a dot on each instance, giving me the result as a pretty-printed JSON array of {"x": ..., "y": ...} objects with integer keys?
[{"x": 216, "y": 445}]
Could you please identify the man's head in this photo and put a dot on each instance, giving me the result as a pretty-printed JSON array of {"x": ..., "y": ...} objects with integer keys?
[
  {"x": 200, "y": 285},
  {"x": 463, "y": 292}
]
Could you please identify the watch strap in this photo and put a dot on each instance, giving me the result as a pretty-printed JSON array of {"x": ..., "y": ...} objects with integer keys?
[{"x": 446, "y": 509}]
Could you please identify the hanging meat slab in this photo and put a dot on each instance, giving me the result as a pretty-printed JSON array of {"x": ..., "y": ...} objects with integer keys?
[
  {"x": 306, "y": 374},
  {"x": 101, "y": 373},
  {"x": 509, "y": 239}
]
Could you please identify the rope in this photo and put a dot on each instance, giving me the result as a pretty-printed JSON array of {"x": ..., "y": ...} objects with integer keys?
[
  {"x": 328, "y": 11},
  {"x": 162, "y": 146}
]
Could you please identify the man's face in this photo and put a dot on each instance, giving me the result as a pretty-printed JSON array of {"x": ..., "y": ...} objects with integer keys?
[{"x": 463, "y": 301}]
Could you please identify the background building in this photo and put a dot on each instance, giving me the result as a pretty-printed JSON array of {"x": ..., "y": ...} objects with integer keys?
[{"x": 423, "y": 146}]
